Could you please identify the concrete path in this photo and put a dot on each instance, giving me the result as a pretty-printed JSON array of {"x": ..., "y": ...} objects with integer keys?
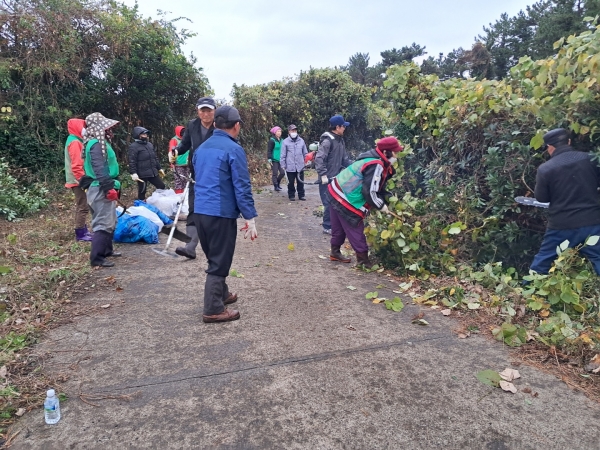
[{"x": 310, "y": 365}]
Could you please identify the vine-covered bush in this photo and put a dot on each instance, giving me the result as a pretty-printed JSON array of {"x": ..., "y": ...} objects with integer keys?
[{"x": 18, "y": 198}]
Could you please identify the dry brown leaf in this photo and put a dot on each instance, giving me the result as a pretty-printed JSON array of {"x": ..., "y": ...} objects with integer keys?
[
  {"x": 526, "y": 390},
  {"x": 462, "y": 336},
  {"x": 446, "y": 312},
  {"x": 20, "y": 412},
  {"x": 510, "y": 374},
  {"x": 508, "y": 387},
  {"x": 378, "y": 300},
  {"x": 119, "y": 289}
]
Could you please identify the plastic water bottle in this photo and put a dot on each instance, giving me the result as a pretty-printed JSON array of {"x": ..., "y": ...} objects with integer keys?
[{"x": 51, "y": 408}]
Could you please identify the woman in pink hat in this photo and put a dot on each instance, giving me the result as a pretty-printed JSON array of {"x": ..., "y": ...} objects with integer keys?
[{"x": 273, "y": 154}]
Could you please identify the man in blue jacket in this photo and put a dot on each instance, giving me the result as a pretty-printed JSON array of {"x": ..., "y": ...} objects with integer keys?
[{"x": 222, "y": 192}]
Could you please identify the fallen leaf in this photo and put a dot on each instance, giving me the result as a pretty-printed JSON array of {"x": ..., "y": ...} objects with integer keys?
[
  {"x": 119, "y": 289},
  {"x": 291, "y": 246},
  {"x": 462, "y": 336},
  {"x": 473, "y": 305},
  {"x": 3, "y": 372},
  {"x": 421, "y": 322},
  {"x": 110, "y": 279},
  {"x": 526, "y": 390},
  {"x": 508, "y": 387},
  {"x": 378, "y": 300},
  {"x": 435, "y": 307},
  {"x": 446, "y": 312},
  {"x": 352, "y": 288},
  {"x": 20, "y": 412},
  {"x": 105, "y": 306},
  {"x": 489, "y": 377},
  {"x": 452, "y": 291},
  {"x": 544, "y": 313},
  {"x": 380, "y": 270},
  {"x": 322, "y": 257},
  {"x": 510, "y": 374}
]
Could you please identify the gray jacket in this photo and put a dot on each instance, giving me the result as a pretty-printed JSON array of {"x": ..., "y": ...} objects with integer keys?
[
  {"x": 332, "y": 156},
  {"x": 292, "y": 156}
]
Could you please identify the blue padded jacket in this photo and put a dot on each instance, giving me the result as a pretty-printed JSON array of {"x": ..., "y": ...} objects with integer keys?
[{"x": 222, "y": 185}]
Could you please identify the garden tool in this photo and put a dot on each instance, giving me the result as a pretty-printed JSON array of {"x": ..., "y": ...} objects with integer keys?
[
  {"x": 529, "y": 201},
  {"x": 165, "y": 252}
]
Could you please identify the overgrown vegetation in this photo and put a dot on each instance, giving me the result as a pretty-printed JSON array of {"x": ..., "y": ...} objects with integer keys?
[{"x": 18, "y": 198}]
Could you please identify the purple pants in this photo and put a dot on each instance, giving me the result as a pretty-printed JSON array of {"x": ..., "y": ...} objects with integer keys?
[{"x": 340, "y": 229}]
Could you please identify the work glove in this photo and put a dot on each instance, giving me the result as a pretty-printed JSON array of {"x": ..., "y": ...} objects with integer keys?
[
  {"x": 324, "y": 179},
  {"x": 161, "y": 173},
  {"x": 112, "y": 195},
  {"x": 173, "y": 156},
  {"x": 250, "y": 230},
  {"x": 385, "y": 210},
  {"x": 134, "y": 177},
  {"x": 270, "y": 161}
]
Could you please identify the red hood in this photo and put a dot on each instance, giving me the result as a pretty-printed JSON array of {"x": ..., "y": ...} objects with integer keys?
[
  {"x": 75, "y": 126},
  {"x": 178, "y": 131}
]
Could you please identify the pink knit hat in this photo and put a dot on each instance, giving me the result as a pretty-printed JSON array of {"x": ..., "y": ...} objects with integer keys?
[{"x": 275, "y": 129}]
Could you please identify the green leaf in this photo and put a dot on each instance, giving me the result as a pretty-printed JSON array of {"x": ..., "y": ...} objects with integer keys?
[
  {"x": 537, "y": 141},
  {"x": 564, "y": 245},
  {"x": 489, "y": 377},
  {"x": 454, "y": 230},
  {"x": 395, "y": 304},
  {"x": 592, "y": 240},
  {"x": 371, "y": 295},
  {"x": 401, "y": 242},
  {"x": 5, "y": 269}
]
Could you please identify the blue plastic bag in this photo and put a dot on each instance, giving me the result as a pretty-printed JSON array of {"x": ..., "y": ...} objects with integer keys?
[
  {"x": 161, "y": 215},
  {"x": 136, "y": 229}
]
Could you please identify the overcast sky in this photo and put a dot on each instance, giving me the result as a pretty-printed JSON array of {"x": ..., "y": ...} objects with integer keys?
[{"x": 257, "y": 41}]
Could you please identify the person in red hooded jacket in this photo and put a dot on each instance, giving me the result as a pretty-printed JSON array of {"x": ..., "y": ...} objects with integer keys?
[
  {"x": 179, "y": 163},
  {"x": 73, "y": 173}
]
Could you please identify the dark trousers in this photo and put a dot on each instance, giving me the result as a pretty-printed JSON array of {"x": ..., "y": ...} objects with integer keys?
[
  {"x": 342, "y": 229},
  {"x": 217, "y": 239},
  {"x": 325, "y": 200},
  {"x": 298, "y": 178},
  {"x": 277, "y": 173},
  {"x": 154, "y": 181},
  {"x": 553, "y": 238},
  {"x": 191, "y": 199},
  {"x": 81, "y": 207}
]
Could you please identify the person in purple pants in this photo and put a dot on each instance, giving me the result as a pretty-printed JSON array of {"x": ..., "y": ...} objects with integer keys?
[{"x": 353, "y": 192}]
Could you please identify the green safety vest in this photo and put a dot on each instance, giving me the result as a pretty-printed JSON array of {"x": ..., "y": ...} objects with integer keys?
[
  {"x": 69, "y": 176},
  {"x": 350, "y": 181},
  {"x": 182, "y": 159},
  {"x": 111, "y": 159},
  {"x": 276, "y": 149}
]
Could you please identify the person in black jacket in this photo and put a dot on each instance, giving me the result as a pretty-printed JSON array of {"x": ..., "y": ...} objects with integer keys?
[
  {"x": 197, "y": 131},
  {"x": 569, "y": 181},
  {"x": 144, "y": 166}
]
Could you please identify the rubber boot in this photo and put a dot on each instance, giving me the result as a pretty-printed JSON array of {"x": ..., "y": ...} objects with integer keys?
[
  {"x": 82, "y": 234},
  {"x": 189, "y": 251},
  {"x": 336, "y": 255},
  {"x": 362, "y": 259},
  {"x": 98, "y": 250}
]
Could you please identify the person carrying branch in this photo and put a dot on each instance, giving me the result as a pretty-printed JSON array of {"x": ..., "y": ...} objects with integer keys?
[{"x": 353, "y": 192}]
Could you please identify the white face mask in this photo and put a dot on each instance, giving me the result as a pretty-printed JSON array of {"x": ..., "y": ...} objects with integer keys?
[
  {"x": 293, "y": 135},
  {"x": 392, "y": 160}
]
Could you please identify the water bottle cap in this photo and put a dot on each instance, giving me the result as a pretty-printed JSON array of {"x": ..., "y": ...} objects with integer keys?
[{"x": 51, "y": 393}]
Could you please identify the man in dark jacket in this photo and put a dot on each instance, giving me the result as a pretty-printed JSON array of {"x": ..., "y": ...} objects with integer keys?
[
  {"x": 144, "y": 166},
  {"x": 197, "y": 131},
  {"x": 353, "y": 192},
  {"x": 569, "y": 181},
  {"x": 223, "y": 192},
  {"x": 331, "y": 158}
]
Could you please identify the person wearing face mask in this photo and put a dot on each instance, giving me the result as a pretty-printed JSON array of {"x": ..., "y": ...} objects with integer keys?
[
  {"x": 293, "y": 151},
  {"x": 356, "y": 190},
  {"x": 144, "y": 166}
]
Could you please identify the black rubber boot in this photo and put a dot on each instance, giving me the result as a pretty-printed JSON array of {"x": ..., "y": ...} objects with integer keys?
[
  {"x": 362, "y": 259},
  {"x": 99, "y": 249},
  {"x": 336, "y": 254}
]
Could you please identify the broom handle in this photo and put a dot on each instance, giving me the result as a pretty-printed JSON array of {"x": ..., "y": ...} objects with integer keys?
[{"x": 185, "y": 191}]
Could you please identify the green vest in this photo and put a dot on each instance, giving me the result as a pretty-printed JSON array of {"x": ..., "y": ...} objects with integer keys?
[
  {"x": 111, "y": 159},
  {"x": 182, "y": 159},
  {"x": 276, "y": 149},
  {"x": 69, "y": 176},
  {"x": 350, "y": 181}
]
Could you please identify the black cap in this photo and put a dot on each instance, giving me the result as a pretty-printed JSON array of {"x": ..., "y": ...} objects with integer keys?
[
  {"x": 292, "y": 127},
  {"x": 229, "y": 113},
  {"x": 556, "y": 137},
  {"x": 206, "y": 102}
]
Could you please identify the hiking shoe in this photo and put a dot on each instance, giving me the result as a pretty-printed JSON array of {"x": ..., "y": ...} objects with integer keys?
[
  {"x": 182, "y": 251},
  {"x": 302, "y": 199},
  {"x": 104, "y": 263},
  {"x": 115, "y": 255},
  {"x": 226, "y": 316},
  {"x": 292, "y": 199},
  {"x": 231, "y": 299}
]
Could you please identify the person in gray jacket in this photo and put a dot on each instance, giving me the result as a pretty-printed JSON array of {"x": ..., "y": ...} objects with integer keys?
[
  {"x": 331, "y": 158},
  {"x": 293, "y": 151}
]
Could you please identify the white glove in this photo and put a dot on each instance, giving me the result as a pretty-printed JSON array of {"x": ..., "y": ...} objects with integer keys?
[
  {"x": 385, "y": 210},
  {"x": 173, "y": 156},
  {"x": 161, "y": 173},
  {"x": 135, "y": 177},
  {"x": 250, "y": 229},
  {"x": 324, "y": 179}
]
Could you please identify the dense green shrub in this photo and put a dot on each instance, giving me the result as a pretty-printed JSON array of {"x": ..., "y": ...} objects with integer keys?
[{"x": 18, "y": 198}]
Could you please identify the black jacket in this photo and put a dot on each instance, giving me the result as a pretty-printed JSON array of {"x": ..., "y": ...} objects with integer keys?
[
  {"x": 191, "y": 140},
  {"x": 569, "y": 181},
  {"x": 332, "y": 156},
  {"x": 142, "y": 157}
]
